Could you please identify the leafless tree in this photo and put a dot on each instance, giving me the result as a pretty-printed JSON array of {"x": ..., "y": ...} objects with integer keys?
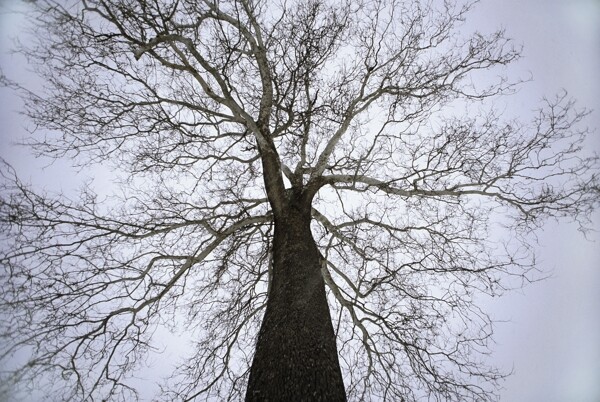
[{"x": 312, "y": 193}]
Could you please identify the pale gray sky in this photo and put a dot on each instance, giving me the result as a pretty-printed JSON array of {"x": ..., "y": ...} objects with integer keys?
[{"x": 553, "y": 337}]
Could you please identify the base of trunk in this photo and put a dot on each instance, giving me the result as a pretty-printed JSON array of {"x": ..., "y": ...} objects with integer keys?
[{"x": 296, "y": 356}]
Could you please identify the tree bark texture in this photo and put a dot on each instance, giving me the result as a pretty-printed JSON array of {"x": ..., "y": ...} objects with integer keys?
[{"x": 296, "y": 356}]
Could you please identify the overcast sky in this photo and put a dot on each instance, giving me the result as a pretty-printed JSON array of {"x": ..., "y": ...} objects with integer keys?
[{"x": 552, "y": 338}]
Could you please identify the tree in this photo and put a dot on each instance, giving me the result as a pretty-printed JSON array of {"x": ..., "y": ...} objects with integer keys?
[{"x": 299, "y": 182}]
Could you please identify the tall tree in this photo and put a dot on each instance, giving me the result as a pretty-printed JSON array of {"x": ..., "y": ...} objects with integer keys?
[{"x": 299, "y": 182}]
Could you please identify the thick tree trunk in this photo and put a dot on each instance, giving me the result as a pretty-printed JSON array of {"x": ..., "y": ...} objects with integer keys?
[{"x": 296, "y": 356}]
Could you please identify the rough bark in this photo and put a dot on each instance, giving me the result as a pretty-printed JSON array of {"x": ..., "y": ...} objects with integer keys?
[{"x": 296, "y": 356}]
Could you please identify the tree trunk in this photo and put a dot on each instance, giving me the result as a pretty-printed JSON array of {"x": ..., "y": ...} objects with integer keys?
[{"x": 296, "y": 355}]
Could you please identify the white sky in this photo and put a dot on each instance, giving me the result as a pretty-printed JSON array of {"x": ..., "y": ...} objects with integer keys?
[{"x": 553, "y": 337}]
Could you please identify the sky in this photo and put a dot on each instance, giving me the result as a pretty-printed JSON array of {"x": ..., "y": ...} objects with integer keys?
[{"x": 551, "y": 337}]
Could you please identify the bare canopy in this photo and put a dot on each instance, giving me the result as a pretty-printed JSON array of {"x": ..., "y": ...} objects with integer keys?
[{"x": 311, "y": 195}]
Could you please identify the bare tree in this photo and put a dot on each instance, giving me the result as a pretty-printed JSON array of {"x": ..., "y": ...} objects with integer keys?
[{"x": 303, "y": 196}]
